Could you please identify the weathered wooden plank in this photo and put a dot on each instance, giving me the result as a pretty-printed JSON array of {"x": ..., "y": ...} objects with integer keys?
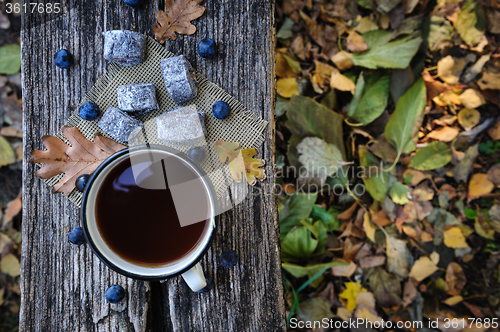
[
  {"x": 249, "y": 296},
  {"x": 63, "y": 285}
]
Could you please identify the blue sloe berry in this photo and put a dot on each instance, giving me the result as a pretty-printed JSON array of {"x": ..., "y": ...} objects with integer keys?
[
  {"x": 63, "y": 59},
  {"x": 221, "y": 109},
  {"x": 228, "y": 258},
  {"x": 81, "y": 182},
  {"x": 206, "y": 48},
  {"x": 76, "y": 236},
  {"x": 114, "y": 294},
  {"x": 89, "y": 111}
]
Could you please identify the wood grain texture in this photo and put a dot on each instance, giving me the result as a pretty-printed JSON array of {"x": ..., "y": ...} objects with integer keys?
[{"x": 63, "y": 285}]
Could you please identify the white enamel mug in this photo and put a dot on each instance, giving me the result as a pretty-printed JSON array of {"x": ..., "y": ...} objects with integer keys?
[{"x": 188, "y": 265}]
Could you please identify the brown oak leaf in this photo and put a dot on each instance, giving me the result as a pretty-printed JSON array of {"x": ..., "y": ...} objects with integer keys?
[
  {"x": 241, "y": 161},
  {"x": 177, "y": 18},
  {"x": 82, "y": 157}
]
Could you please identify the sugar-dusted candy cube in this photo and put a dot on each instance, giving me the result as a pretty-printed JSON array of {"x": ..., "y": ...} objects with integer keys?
[
  {"x": 180, "y": 126},
  {"x": 137, "y": 98},
  {"x": 127, "y": 48},
  {"x": 119, "y": 124},
  {"x": 179, "y": 77}
]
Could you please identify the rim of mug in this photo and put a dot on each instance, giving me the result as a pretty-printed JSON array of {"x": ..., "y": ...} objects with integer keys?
[{"x": 103, "y": 257}]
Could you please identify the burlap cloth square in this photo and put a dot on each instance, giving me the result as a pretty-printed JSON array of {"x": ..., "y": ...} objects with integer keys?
[{"x": 241, "y": 126}]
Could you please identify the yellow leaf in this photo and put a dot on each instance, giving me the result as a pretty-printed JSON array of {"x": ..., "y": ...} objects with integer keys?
[
  {"x": 479, "y": 185},
  {"x": 483, "y": 229},
  {"x": 471, "y": 98},
  {"x": 322, "y": 74},
  {"x": 434, "y": 257},
  {"x": 283, "y": 69},
  {"x": 356, "y": 43},
  {"x": 453, "y": 300},
  {"x": 287, "y": 87},
  {"x": 366, "y": 24},
  {"x": 489, "y": 81},
  {"x": 340, "y": 82},
  {"x": 369, "y": 228},
  {"x": 454, "y": 238},
  {"x": 342, "y": 60},
  {"x": 469, "y": 118},
  {"x": 443, "y": 134},
  {"x": 10, "y": 265},
  {"x": 494, "y": 131},
  {"x": 240, "y": 162},
  {"x": 422, "y": 268},
  {"x": 350, "y": 294},
  {"x": 448, "y": 69}
]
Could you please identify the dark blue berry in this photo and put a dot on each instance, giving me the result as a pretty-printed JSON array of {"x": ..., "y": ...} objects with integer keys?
[
  {"x": 115, "y": 294},
  {"x": 76, "y": 236},
  {"x": 206, "y": 48},
  {"x": 89, "y": 111},
  {"x": 81, "y": 182},
  {"x": 209, "y": 286},
  {"x": 134, "y": 4},
  {"x": 197, "y": 154},
  {"x": 228, "y": 258},
  {"x": 221, "y": 109},
  {"x": 63, "y": 59}
]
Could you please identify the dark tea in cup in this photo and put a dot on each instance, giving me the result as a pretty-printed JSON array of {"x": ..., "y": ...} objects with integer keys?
[{"x": 136, "y": 214}]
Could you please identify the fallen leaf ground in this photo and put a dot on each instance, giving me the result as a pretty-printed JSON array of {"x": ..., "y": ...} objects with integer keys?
[
  {"x": 388, "y": 157},
  {"x": 10, "y": 170},
  {"x": 389, "y": 110}
]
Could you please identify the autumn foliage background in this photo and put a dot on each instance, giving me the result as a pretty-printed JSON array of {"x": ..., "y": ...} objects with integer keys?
[
  {"x": 410, "y": 89},
  {"x": 407, "y": 88}
]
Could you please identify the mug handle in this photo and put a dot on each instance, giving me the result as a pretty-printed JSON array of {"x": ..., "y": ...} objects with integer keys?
[{"x": 195, "y": 278}]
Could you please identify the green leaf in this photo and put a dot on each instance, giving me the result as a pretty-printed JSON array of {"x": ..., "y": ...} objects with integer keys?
[
  {"x": 294, "y": 64},
  {"x": 368, "y": 4},
  {"x": 470, "y": 213},
  {"x": 306, "y": 117},
  {"x": 319, "y": 157},
  {"x": 7, "y": 155},
  {"x": 298, "y": 243},
  {"x": 405, "y": 122},
  {"x": 466, "y": 23},
  {"x": 294, "y": 209},
  {"x": 398, "y": 193},
  {"x": 319, "y": 231},
  {"x": 301, "y": 271},
  {"x": 382, "y": 53},
  {"x": 315, "y": 309},
  {"x": 318, "y": 213},
  {"x": 376, "y": 181},
  {"x": 281, "y": 106},
  {"x": 10, "y": 59},
  {"x": 434, "y": 155},
  {"x": 370, "y": 98},
  {"x": 285, "y": 32}
]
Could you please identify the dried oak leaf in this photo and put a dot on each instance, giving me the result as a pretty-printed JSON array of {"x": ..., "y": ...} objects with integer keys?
[
  {"x": 177, "y": 18},
  {"x": 82, "y": 157},
  {"x": 241, "y": 161}
]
